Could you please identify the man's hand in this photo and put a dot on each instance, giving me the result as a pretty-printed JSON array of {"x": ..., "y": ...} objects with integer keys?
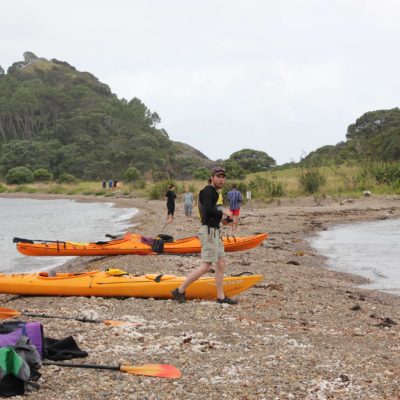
[{"x": 227, "y": 220}]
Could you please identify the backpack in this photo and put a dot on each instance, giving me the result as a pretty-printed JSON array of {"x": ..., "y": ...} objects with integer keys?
[
  {"x": 14, "y": 373},
  {"x": 12, "y": 331},
  {"x": 21, "y": 352}
]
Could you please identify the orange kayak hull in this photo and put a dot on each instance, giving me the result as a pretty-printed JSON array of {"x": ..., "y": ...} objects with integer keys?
[
  {"x": 98, "y": 283},
  {"x": 132, "y": 245}
]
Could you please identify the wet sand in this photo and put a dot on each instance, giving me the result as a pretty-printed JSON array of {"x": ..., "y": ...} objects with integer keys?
[{"x": 305, "y": 332}]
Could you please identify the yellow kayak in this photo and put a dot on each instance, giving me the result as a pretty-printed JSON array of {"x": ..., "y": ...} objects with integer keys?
[{"x": 99, "y": 283}]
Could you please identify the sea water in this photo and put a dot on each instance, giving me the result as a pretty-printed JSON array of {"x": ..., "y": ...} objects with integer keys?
[
  {"x": 64, "y": 220},
  {"x": 368, "y": 249}
]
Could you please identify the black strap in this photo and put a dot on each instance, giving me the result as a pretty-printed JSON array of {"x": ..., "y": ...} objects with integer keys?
[
  {"x": 243, "y": 273},
  {"x": 158, "y": 278}
]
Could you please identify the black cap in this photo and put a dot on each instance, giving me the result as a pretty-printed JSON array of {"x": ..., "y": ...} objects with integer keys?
[{"x": 218, "y": 171}]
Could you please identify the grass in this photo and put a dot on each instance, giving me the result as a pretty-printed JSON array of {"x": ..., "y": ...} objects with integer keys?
[{"x": 342, "y": 181}]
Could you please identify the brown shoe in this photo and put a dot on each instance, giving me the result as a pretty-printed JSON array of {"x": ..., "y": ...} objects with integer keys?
[
  {"x": 227, "y": 300},
  {"x": 178, "y": 296}
]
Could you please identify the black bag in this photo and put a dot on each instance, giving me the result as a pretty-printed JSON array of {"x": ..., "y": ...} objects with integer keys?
[
  {"x": 165, "y": 238},
  {"x": 158, "y": 246}
]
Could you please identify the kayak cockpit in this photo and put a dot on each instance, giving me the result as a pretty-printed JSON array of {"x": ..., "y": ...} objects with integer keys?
[{"x": 65, "y": 275}]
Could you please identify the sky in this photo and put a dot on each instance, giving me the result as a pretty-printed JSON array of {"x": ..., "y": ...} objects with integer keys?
[{"x": 280, "y": 76}]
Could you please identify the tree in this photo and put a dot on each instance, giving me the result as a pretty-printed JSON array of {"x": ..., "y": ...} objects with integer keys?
[
  {"x": 131, "y": 174},
  {"x": 22, "y": 152},
  {"x": 55, "y": 117},
  {"x": 201, "y": 174},
  {"x": 234, "y": 170},
  {"x": 253, "y": 160},
  {"x": 29, "y": 57}
]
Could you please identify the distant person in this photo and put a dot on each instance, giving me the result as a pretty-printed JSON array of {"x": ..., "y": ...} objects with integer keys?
[
  {"x": 115, "y": 184},
  {"x": 188, "y": 202},
  {"x": 212, "y": 247},
  {"x": 110, "y": 184},
  {"x": 104, "y": 184},
  {"x": 170, "y": 197},
  {"x": 235, "y": 200}
]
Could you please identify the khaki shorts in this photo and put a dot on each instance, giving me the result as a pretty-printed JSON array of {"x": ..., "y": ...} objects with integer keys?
[{"x": 212, "y": 247}]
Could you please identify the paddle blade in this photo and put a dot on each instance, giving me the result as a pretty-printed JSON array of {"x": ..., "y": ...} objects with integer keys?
[
  {"x": 8, "y": 313},
  {"x": 158, "y": 370},
  {"x": 120, "y": 323}
]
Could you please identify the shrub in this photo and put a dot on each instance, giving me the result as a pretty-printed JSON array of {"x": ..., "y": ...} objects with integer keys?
[
  {"x": 42, "y": 175},
  {"x": 383, "y": 172},
  {"x": 201, "y": 174},
  {"x": 276, "y": 188},
  {"x": 67, "y": 178},
  {"x": 158, "y": 190},
  {"x": 131, "y": 174},
  {"x": 262, "y": 187},
  {"x": 2, "y": 188},
  {"x": 19, "y": 175},
  {"x": 311, "y": 180}
]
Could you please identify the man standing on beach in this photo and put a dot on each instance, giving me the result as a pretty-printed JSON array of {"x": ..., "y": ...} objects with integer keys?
[
  {"x": 235, "y": 200},
  {"x": 212, "y": 247}
]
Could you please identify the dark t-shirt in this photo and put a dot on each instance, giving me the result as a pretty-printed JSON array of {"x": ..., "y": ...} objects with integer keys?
[
  {"x": 171, "y": 196},
  {"x": 210, "y": 215}
]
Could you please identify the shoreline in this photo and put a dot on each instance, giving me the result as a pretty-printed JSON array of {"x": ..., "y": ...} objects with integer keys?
[{"x": 305, "y": 332}]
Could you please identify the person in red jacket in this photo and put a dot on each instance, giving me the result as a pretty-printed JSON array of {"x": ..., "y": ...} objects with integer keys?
[{"x": 212, "y": 247}]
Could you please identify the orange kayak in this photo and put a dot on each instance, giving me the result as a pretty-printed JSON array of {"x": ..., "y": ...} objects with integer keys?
[
  {"x": 99, "y": 283},
  {"x": 130, "y": 244}
]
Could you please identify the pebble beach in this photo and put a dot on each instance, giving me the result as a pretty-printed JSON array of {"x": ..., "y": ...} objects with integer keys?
[{"x": 304, "y": 332}]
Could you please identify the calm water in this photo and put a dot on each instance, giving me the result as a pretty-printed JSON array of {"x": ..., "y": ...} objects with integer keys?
[
  {"x": 369, "y": 249},
  {"x": 54, "y": 220}
]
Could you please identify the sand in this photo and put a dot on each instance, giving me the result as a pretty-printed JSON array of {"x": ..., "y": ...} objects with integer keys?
[{"x": 305, "y": 332}]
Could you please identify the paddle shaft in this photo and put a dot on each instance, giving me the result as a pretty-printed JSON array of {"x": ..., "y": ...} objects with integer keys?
[
  {"x": 95, "y": 321},
  {"x": 71, "y": 365},
  {"x": 17, "y": 240}
]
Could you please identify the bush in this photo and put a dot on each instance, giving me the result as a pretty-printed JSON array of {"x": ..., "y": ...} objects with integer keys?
[
  {"x": 131, "y": 174},
  {"x": 269, "y": 187},
  {"x": 386, "y": 173},
  {"x": 19, "y": 175},
  {"x": 311, "y": 180},
  {"x": 201, "y": 174},
  {"x": 67, "y": 178},
  {"x": 42, "y": 175},
  {"x": 2, "y": 188},
  {"x": 158, "y": 190}
]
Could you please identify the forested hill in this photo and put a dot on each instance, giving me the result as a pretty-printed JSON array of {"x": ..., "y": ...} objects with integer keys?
[
  {"x": 66, "y": 121},
  {"x": 375, "y": 136}
]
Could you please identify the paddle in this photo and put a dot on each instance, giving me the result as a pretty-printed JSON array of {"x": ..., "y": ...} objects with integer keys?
[
  {"x": 32, "y": 241},
  {"x": 157, "y": 370},
  {"x": 9, "y": 313}
]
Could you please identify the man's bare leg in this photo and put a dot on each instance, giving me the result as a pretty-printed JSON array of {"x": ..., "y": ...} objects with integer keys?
[
  {"x": 196, "y": 274},
  {"x": 219, "y": 278}
]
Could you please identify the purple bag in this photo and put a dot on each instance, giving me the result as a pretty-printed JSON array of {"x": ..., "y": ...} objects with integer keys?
[{"x": 11, "y": 332}]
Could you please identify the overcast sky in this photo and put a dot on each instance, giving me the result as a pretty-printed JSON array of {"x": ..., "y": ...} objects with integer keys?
[{"x": 280, "y": 76}]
